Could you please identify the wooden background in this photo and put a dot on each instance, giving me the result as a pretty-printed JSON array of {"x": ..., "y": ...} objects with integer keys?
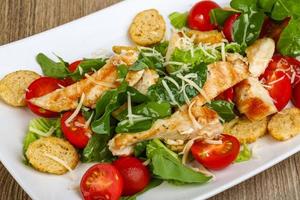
[{"x": 22, "y": 18}]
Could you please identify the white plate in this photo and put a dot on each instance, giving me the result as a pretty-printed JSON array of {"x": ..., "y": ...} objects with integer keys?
[{"x": 80, "y": 38}]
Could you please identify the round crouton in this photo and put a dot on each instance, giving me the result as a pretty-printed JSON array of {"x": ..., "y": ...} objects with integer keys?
[
  {"x": 246, "y": 131},
  {"x": 285, "y": 124},
  {"x": 13, "y": 86},
  {"x": 148, "y": 28},
  {"x": 52, "y": 155}
]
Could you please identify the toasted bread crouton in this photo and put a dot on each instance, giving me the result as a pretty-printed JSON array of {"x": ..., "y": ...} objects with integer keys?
[
  {"x": 246, "y": 131},
  {"x": 46, "y": 154},
  {"x": 211, "y": 37},
  {"x": 13, "y": 86},
  {"x": 120, "y": 49},
  {"x": 148, "y": 28},
  {"x": 253, "y": 100},
  {"x": 285, "y": 124}
]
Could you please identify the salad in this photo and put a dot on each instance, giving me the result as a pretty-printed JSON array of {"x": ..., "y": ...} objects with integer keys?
[{"x": 168, "y": 108}]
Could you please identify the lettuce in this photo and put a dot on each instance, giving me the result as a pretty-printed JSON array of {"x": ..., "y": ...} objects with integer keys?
[{"x": 244, "y": 155}]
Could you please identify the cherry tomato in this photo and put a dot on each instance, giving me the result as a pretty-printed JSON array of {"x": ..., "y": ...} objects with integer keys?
[
  {"x": 295, "y": 69},
  {"x": 273, "y": 28},
  {"x": 41, "y": 87},
  {"x": 216, "y": 156},
  {"x": 227, "y": 95},
  {"x": 101, "y": 181},
  {"x": 296, "y": 95},
  {"x": 199, "y": 16},
  {"x": 228, "y": 26},
  {"x": 73, "y": 66},
  {"x": 75, "y": 132},
  {"x": 134, "y": 173}
]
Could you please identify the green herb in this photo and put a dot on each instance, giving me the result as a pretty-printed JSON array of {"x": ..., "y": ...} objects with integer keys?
[
  {"x": 218, "y": 16},
  {"x": 244, "y": 155},
  {"x": 51, "y": 68},
  {"x": 122, "y": 72},
  {"x": 153, "y": 183},
  {"x": 178, "y": 20},
  {"x": 166, "y": 165},
  {"x": 97, "y": 149},
  {"x": 224, "y": 109}
]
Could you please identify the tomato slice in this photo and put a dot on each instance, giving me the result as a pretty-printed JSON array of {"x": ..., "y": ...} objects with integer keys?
[
  {"x": 75, "y": 132},
  {"x": 134, "y": 173},
  {"x": 227, "y": 95},
  {"x": 216, "y": 156},
  {"x": 101, "y": 181},
  {"x": 199, "y": 16},
  {"x": 296, "y": 95},
  {"x": 41, "y": 87},
  {"x": 228, "y": 26}
]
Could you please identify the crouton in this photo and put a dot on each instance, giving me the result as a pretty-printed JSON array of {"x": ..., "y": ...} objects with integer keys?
[
  {"x": 211, "y": 37},
  {"x": 148, "y": 28},
  {"x": 120, "y": 49}
]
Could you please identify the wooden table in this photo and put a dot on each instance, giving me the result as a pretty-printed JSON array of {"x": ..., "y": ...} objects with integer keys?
[{"x": 22, "y": 18}]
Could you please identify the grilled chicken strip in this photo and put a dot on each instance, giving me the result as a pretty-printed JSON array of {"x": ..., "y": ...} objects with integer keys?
[
  {"x": 94, "y": 86},
  {"x": 181, "y": 125}
]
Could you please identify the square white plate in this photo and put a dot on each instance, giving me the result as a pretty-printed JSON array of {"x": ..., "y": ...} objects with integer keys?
[{"x": 81, "y": 38}]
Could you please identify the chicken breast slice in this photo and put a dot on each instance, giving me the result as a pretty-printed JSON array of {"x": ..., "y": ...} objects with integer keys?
[
  {"x": 93, "y": 87},
  {"x": 253, "y": 100},
  {"x": 259, "y": 55},
  {"x": 181, "y": 126}
]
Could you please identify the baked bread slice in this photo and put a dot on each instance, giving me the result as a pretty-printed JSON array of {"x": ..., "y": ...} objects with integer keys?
[
  {"x": 211, "y": 37},
  {"x": 253, "y": 100},
  {"x": 52, "y": 155},
  {"x": 245, "y": 130},
  {"x": 13, "y": 86},
  {"x": 147, "y": 28},
  {"x": 285, "y": 124}
]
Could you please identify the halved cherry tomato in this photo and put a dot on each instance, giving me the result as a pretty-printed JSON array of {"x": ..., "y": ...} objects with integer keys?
[
  {"x": 216, "y": 156},
  {"x": 273, "y": 28},
  {"x": 227, "y": 95},
  {"x": 101, "y": 181},
  {"x": 75, "y": 132},
  {"x": 296, "y": 95},
  {"x": 135, "y": 175},
  {"x": 228, "y": 26},
  {"x": 277, "y": 80},
  {"x": 41, "y": 87},
  {"x": 199, "y": 16},
  {"x": 295, "y": 69}
]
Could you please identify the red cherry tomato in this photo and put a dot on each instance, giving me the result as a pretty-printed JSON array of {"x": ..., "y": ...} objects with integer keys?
[
  {"x": 295, "y": 70},
  {"x": 101, "y": 181},
  {"x": 227, "y": 95},
  {"x": 75, "y": 132},
  {"x": 216, "y": 156},
  {"x": 228, "y": 26},
  {"x": 199, "y": 16},
  {"x": 135, "y": 175},
  {"x": 41, "y": 87},
  {"x": 296, "y": 95},
  {"x": 273, "y": 28},
  {"x": 73, "y": 66}
]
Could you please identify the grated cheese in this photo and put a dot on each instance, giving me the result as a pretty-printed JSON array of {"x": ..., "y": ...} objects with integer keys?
[
  {"x": 187, "y": 148},
  {"x": 129, "y": 108},
  {"x": 172, "y": 81},
  {"x": 80, "y": 70},
  {"x": 170, "y": 94},
  {"x": 87, "y": 123},
  {"x": 210, "y": 141},
  {"x": 223, "y": 53},
  {"x": 77, "y": 110},
  {"x": 101, "y": 83},
  {"x": 59, "y": 85},
  {"x": 196, "y": 124}
]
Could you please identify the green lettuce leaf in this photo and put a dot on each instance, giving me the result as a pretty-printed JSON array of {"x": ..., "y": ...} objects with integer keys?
[
  {"x": 178, "y": 20},
  {"x": 244, "y": 155}
]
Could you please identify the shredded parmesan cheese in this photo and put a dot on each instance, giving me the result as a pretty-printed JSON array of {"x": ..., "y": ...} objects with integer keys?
[
  {"x": 187, "y": 148},
  {"x": 210, "y": 141},
  {"x": 87, "y": 123},
  {"x": 172, "y": 81},
  {"x": 169, "y": 92},
  {"x": 77, "y": 110},
  {"x": 196, "y": 124},
  {"x": 129, "y": 108}
]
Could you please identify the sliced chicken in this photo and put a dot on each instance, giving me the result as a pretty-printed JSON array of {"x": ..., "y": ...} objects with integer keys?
[
  {"x": 184, "y": 125},
  {"x": 150, "y": 77},
  {"x": 93, "y": 86},
  {"x": 259, "y": 55},
  {"x": 211, "y": 37},
  {"x": 253, "y": 100},
  {"x": 178, "y": 128}
]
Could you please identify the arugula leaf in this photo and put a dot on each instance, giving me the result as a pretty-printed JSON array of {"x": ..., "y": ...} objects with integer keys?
[
  {"x": 51, "y": 68},
  {"x": 178, "y": 20},
  {"x": 285, "y": 8},
  {"x": 244, "y": 5},
  {"x": 247, "y": 27},
  {"x": 218, "y": 16},
  {"x": 166, "y": 165},
  {"x": 224, "y": 109},
  {"x": 153, "y": 183},
  {"x": 244, "y": 155},
  {"x": 140, "y": 148},
  {"x": 289, "y": 41},
  {"x": 87, "y": 65},
  {"x": 152, "y": 61},
  {"x": 97, "y": 150},
  {"x": 122, "y": 72}
]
